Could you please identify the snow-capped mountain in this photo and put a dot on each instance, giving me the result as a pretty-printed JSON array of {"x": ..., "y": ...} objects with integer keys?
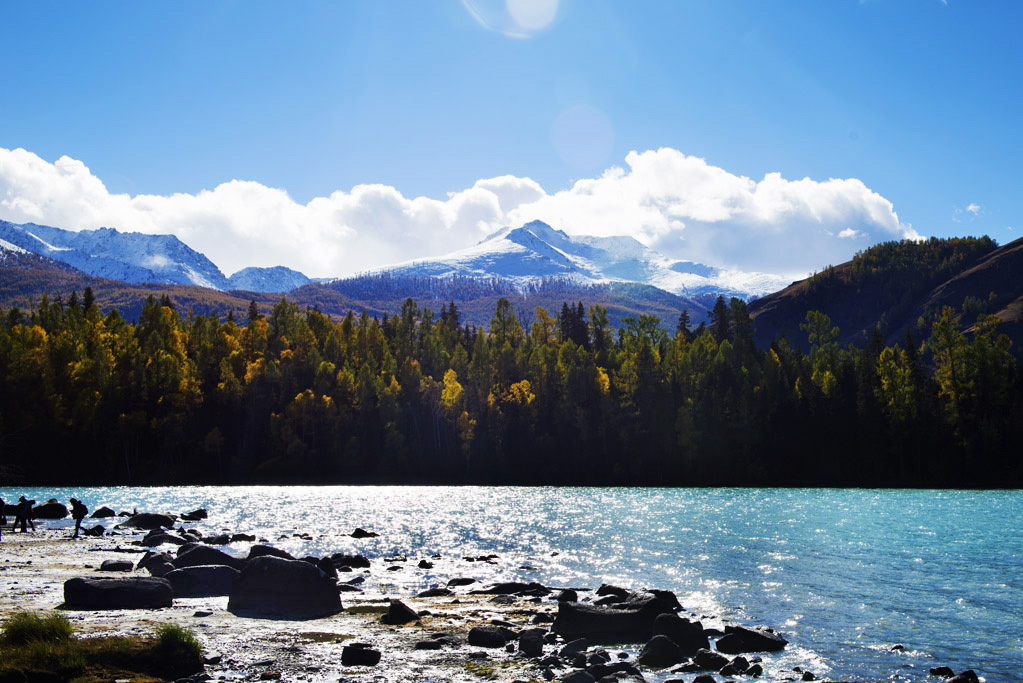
[
  {"x": 125, "y": 256},
  {"x": 276, "y": 279},
  {"x": 536, "y": 252}
]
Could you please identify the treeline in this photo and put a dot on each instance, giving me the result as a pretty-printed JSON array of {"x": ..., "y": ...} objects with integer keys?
[{"x": 297, "y": 397}]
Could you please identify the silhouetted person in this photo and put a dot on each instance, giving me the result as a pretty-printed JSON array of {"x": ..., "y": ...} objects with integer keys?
[
  {"x": 78, "y": 513},
  {"x": 3, "y": 517},
  {"x": 24, "y": 516}
]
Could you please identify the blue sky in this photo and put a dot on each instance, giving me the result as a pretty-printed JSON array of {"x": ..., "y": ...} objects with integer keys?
[{"x": 918, "y": 100}]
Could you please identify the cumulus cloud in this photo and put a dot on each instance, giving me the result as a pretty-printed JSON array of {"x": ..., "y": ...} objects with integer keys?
[
  {"x": 974, "y": 209},
  {"x": 677, "y": 204}
]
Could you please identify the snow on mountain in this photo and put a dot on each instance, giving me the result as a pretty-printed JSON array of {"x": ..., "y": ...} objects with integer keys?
[
  {"x": 276, "y": 279},
  {"x": 125, "y": 256},
  {"x": 536, "y": 251}
]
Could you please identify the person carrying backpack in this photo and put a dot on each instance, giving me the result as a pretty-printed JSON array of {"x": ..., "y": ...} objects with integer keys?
[{"x": 78, "y": 513}]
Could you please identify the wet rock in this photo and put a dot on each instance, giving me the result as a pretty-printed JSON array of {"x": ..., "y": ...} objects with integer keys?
[
  {"x": 291, "y": 589},
  {"x": 348, "y": 588},
  {"x": 428, "y": 645},
  {"x": 708, "y": 660},
  {"x": 660, "y": 652},
  {"x": 362, "y": 533},
  {"x": 399, "y": 613},
  {"x": 738, "y": 639},
  {"x": 490, "y": 636},
  {"x": 148, "y": 520},
  {"x": 578, "y": 677},
  {"x": 268, "y": 550},
  {"x": 435, "y": 593},
  {"x": 573, "y": 648},
  {"x": 942, "y": 672},
  {"x": 185, "y": 547},
  {"x": 242, "y": 538},
  {"x": 153, "y": 540},
  {"x": 688, "y": 635},
  {"x": 103, "y": 513},
  {"x": 50, "y": 510},
  {"x": 116, "y": 566},
  {"x": 736, "y": 667},
  {"x": 195, "y": 515},
  {"x": 151, "y": 558},
  {"x": 205, "y": 555},
  {"x": 514, "y": 588},
  {"x": 425, "y": 564},
  {"x": 531, "y": 642},
  {"x": 542, "y": 618},
  {"x": 704, "y": 678},
  {"x": 630, "y": 621},
  {"x": 568, "y": 595},
  {"x": 808, "y": 676},
  {"x": 219, "y": 539},
  {"x": 95, "y": 531},
  {"x": 202, "y": 581},
  {"x": 351, "y": 561},
  {"x": 135, "y": 592},
  {"x": 968, "y": 676},
  {"x": 356, "y": 655},
  {"x": 460, "y": 581},
  {"x": 755, "y": 671}
]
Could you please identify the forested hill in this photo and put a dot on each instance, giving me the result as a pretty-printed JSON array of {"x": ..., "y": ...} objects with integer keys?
[{"x": 903, "y": 285}]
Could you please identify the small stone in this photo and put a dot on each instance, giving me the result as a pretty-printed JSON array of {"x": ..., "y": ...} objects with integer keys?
[
  {"x": 359, "y": 655},
  {"x": 942, "y": 672}
]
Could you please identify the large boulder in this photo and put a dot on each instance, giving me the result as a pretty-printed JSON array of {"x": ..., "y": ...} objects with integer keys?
[
  {"x": 399, "y": 613},
  {"x": 738, "y": 639},
  {"x": 629, "y": 621},
  {"x": 148, "y": 520},
  {"x": 203, "y": 555},
  {"x": 290, "y": 589},
  {"x": 359, "y": 654},
  {"x": 490, "y": 636},
  {"x": 202, "y": 580},
  {"x": 103, "y": 512},
  {"x": 265, "y": 550},
  {"x": 116, "y": 566},
  {"x": 50, "y": 510},
  {"x": 135, "y": 592},
  {"x": 688, "y": 635},
  {"x": 160, "y": 538},
  {"x": 708, "y": 660},
  {"x": 531, "y": 642},
  {"x": 194, "y": 515}
]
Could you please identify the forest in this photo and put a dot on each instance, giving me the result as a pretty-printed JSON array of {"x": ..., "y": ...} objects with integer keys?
[{"x": 294, "y": 396}]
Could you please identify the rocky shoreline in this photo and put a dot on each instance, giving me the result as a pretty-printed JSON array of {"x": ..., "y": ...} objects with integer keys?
[{"x": 262, "y": 614}]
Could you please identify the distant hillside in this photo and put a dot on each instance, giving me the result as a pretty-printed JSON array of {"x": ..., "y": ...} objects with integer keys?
[
  {"x": 26, "y": 277},
  {"x": 900, "y": 285}
]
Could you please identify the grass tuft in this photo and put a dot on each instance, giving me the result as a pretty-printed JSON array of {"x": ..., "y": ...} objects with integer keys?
[
  {"x": 173, "y": 640},
  {"x": 23, "y": 628}
]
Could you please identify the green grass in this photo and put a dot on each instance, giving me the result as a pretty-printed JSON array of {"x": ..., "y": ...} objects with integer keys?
[
  {"x": 174, "y": 641},
  {"x": 27, "y": 627}
]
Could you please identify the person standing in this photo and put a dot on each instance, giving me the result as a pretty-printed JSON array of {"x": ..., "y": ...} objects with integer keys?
[
  {"x": 25, "y": 514},
  {"x": 78, "y": 513},
  {"x": 3, "y": 517}
]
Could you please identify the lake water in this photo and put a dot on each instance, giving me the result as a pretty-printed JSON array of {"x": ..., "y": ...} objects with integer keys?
[{"x": 844, "y": 574}]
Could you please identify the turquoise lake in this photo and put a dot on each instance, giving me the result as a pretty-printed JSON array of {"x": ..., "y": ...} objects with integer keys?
[{"x": 843, "y": 574}]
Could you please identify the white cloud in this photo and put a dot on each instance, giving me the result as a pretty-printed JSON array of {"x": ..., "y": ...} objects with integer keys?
[
  {"x": 675, "y": 203},
  {"x": 974, "y": 209}
]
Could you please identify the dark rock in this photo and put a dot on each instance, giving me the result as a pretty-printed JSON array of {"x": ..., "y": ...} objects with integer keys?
[
  {"x": 352, "y": 561},
  {"x": 242, "y": 538},
  {"x": 573, "y": 648},
  {"x": 942, "y": 672},
  {"x": 290, "y": 589},
  {"x": 362, "y": 533},
  {"x": 514, "y": 588},
  {"x": 660, "y": 652},
  {"x": 135, "y": 592},
  {"x": 95, "y": 531},
  {"x": 51, "y": 510},
  {"x": 359, "y": 656},
  {"x": 435, "y": 593},
  {"x": 578, "y": 677},
  {"x": 704, "y": 678},
  {"x": 148, "y": 520},
  {"x": 185, "y": 547},
  {"x": 688, "y": 635},
  {"x": 203, "y": 555},
  {"x": 568, "y": 595},
  {"x": 116, "y": 566},
  {"x": 153, "y": 540},
  {"x": 268, "y": 550},
  {"x": 348, "y": 588},
  {"x": 968, "y": 676},
  {"x": 425, "y": 564},
  {"x": 219, "y": 539},
  {"x": 808, "y": 676},
  {"x": 617, "y": 591},
  {"x": 194, "y": 515},
  {"x": 738, "y": 639},
  {"x": 460, "y": 581},
  {"x": 736, "y": 667},
  {"x": 708, "y": 660},
  {"x": 326, "y": 566},
  {"x": 103, "y": 513},
  {"x": 151, "y": 558},
  {"x": 202, "y": 581},
  {"x": 9, "y": 675},
  {"x": 667, "y": 597},
  {"x": 428, "y": 645},
  {"x": 490, "y": 636},
  {"x": 755, "y": 671},
  {"x": 399, "y": 613},
  {"x": 542, "y": 618},
  {"x": 630, "y": 621},
  {"x": 531, "y": 642}
]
